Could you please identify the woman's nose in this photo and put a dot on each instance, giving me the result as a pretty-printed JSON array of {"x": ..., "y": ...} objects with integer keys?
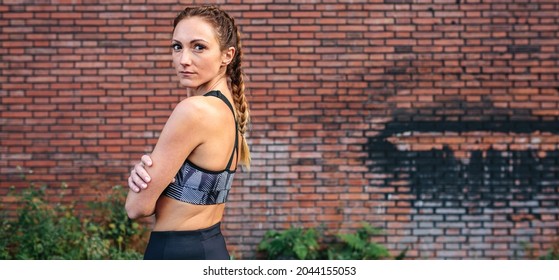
[{"x": 185, "y": 59}]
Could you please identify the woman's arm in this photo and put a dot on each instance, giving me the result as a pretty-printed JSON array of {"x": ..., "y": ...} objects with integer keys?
[{"x": 182, "y": 133}]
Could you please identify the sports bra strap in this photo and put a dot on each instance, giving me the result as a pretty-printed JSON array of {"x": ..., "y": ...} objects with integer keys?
[{"x": 218, "y": 94}]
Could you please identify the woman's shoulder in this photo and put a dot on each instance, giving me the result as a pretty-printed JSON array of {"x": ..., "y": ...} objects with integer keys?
[
  {"x": 198, "y": 105},
  {"x": 193, "y": 104},
  {"x": 199, "y": 108}
]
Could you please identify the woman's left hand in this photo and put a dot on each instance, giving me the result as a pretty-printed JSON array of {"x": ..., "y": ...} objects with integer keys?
[{"x": 139, "y": 177}]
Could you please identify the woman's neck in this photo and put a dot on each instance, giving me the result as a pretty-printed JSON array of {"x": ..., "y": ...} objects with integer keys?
[{"x": 220, "y": 83}]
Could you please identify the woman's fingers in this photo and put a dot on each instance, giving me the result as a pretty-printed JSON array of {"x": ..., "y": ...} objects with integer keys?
[
  {"x": 140, "y": 176},
  {"x": 132, "y": 185},
  {"x": 141, "y": 173},
  {"x": 146, "y": 160}
]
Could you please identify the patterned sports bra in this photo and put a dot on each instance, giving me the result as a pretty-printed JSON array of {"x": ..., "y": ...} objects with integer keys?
[{"x": 196, "y": 185}]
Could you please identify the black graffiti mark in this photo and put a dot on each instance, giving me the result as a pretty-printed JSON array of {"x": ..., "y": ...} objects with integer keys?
[{"x": 491, "y": 178}]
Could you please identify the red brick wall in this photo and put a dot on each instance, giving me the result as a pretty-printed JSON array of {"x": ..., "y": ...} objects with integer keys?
[{"x": 437, "y": 121}]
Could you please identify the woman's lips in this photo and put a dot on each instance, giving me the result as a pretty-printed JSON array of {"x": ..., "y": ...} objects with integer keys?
[{"x": 186, "y": 73}]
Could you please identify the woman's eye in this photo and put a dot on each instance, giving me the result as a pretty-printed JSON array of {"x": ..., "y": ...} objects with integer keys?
[
  {"x": 176, "y": 47},
  {"x": 199, "y": 47}
]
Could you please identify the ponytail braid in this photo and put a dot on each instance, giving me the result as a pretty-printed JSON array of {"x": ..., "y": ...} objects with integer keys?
[
  {"x": 236, "y": 75},
  {"x": 229, "y": 36}
]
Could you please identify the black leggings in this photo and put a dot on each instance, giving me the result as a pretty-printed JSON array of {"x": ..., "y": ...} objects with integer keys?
[{"x": 202, "y": 244}]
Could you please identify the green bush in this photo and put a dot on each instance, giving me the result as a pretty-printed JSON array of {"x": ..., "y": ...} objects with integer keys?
[
  {"x": 357, "y": 246},
  {"x": 294, "y": 244},
  {"x": 43, "y": 230},
  {"x": 531, "y": 253},
  {"x": 551, "y": 254},
  {"x": 313, "y": 244},
  {"x": 111, "y": 221}
]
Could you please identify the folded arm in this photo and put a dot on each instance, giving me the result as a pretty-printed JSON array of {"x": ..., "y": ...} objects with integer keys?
[{"x": 180, "y": 136}]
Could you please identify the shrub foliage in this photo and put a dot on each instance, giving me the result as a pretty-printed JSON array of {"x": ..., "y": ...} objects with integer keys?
[
  {"x": 313, "y": 244},
  {"x": 43, "y": 230}
]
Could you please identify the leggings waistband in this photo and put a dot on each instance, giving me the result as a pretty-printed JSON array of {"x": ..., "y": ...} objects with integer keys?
[{"x": 204, "y": 232}]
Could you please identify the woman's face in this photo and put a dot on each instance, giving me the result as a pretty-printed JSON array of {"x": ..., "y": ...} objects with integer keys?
[{"x": 197, "y": 57}]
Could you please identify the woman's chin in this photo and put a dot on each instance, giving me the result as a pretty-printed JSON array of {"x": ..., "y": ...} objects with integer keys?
[{"x": 187, "y": 83}]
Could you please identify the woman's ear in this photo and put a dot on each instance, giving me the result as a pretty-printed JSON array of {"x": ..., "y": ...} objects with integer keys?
[{"x": 228, "y": 56}]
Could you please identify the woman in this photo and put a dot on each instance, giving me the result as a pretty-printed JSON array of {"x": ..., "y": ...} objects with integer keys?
[{"x": 201, "y": 144}]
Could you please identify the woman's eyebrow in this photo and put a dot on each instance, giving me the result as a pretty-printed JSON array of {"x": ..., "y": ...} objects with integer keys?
[{"x": 192, "y": 41}]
